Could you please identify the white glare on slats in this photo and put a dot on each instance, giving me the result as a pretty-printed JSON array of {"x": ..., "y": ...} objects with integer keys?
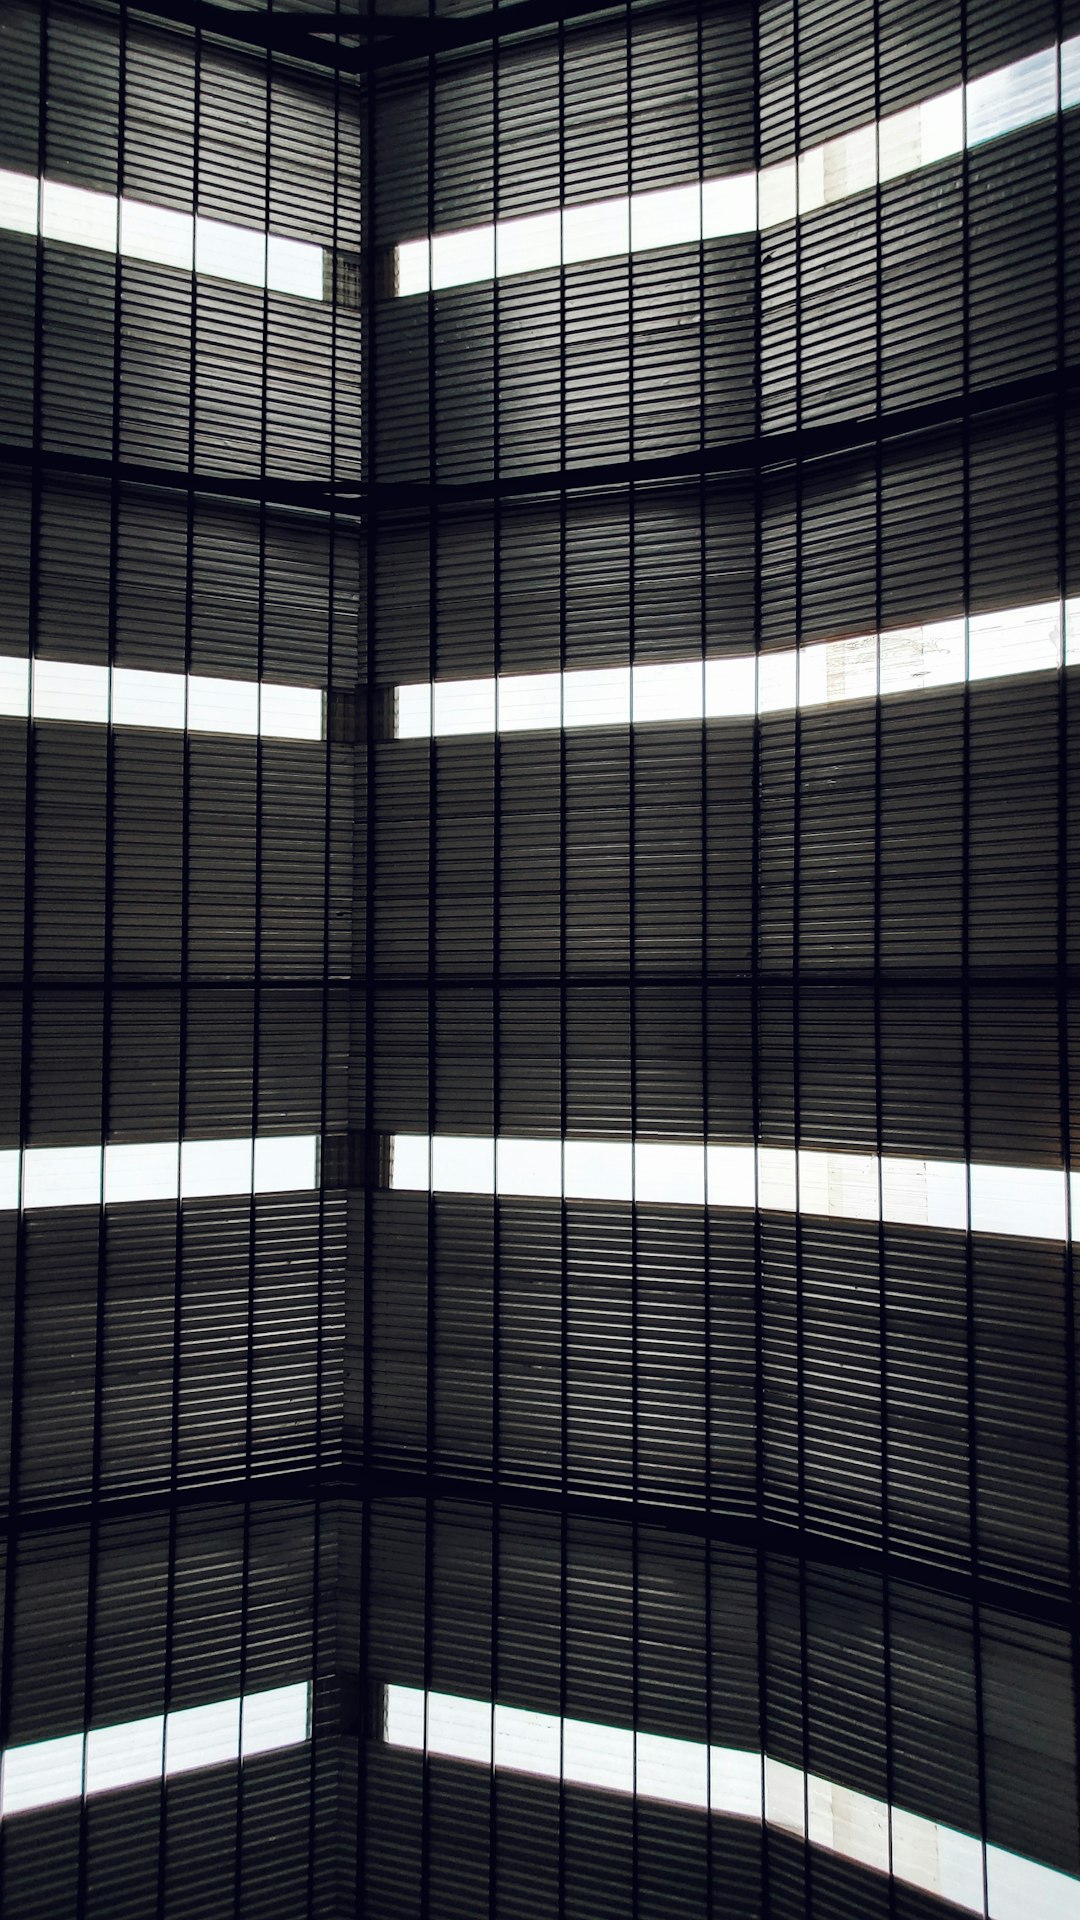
[
  {"x": 744, "y": 1785},
  {"x": 1012, "y": 97},
  {"x": 81, "y": 218},
  {"x": 134, "y": 697},
  {"x": 1018, "y": 95},
  {"x": 133, "y": 1752},
  {"x": 122, "y": 1174},
  {"x": 157, "y": 234},
  {"x": 19, "y": 195},
  {"x": 1029, "y": 1202},
  {"x": 943, "y": 653}
]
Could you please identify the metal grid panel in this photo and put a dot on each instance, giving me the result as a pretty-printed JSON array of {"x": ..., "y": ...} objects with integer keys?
[
  {"x": 175, "y": 957},
  {"x": 805, "y": 1485}
]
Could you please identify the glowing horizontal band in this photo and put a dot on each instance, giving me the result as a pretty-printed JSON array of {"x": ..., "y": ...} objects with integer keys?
[
  {"x": 1031, "y": 1202},
  {"x": 48, "y": 1772},
  {"x": 129, "y": 697},
  {"x": 245, "y": 255},
  {"x": 922, "y": 1853},
  {"x": 943, "y": 653},
  {"x": 1018, "y": 95},
  {"x": 157, "y": 1170}
]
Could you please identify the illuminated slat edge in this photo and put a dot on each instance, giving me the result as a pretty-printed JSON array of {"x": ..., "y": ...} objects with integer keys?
[
  {"x": 177, "y": 702},
  {"x": 997, "y": 103},
  {"x": 826, "y": 673},
  {"x": 247, "y": 256},
  {"x": 48, "y": 1772},
  {"x": 905, "y": 1190},
  {"x": 939, "y": 1860},
  {"x": 157, "y": 1170}
]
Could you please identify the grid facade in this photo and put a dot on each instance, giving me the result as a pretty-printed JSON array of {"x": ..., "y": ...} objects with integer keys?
[{"x": 295, "y": 407}]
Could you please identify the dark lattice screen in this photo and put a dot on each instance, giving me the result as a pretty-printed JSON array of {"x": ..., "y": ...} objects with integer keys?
[
  {"x": 174, "y": 951},
  {"x": 799, "y": 1486},
  {"x": 779, "y": 1483}
]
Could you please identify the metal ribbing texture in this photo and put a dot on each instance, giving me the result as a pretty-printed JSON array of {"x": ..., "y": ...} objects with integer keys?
[
  {"x": 175, "y": 962},
  {"x": 803, "y": 1485}
]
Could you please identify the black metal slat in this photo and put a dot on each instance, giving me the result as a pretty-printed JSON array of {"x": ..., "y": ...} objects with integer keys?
[
  {"x": 498, "y": 1848},
  {"x": 105, "y": 1113},
  {"x": 965, "y": 936},
  {"x": 129, "y": 1080},
  {"x": 640, "y": 1464},
  {"x": 182, "y": 1056},
  {"x": 431, "y": 1298},
  {"x": 1064, "y": 843},
  {"x": 8, "y": 1667},
  {"x": 889, "y": 1724},
  {"x": 815, "y": 742}
]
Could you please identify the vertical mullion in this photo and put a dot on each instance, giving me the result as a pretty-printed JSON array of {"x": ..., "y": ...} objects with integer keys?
[
  {"x": 184, "y": 986},
  {"x": 703, "y": 994},
  {"x": 315, "y": 1880},
  {"x": 497, "y": 1003},
  {"x": 564, "y": 1078},
  {"x": 632, "y": 997},
  {"x": 432, "y": 961},
  {"x": 878, "y": 985},
  {"x": 257, "y": 967},
  {"x": 96, "y": 1492},
  {"x": 965, "y": 977},
  {"x": 757, "y": 827},
  {"x": 19, "y": 1303},
  {"x": 1064, "y": 873},
  {"x": 797, "y": 989},
  {"x": 369, "y": 237}
]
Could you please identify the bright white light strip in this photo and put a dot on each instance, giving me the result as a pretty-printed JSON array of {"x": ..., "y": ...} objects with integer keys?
[
  {"x": 944, "y": 653},
  {"x": 161, "y": 235},
  {"x": 922, "y": 1853},
  {"x": 49, "y": 1772},
  {"x": 131, "y": 697},
  {"x": 901, "y": 1189},
  {"x": 1017, "y": 95},
  {"x": 157, "y": 1170}
]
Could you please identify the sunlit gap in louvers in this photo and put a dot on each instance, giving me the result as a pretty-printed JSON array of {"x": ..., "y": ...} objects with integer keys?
[
  {"x": 966, "y": 116},
  {"x": 131, "y": 697},
  {"x": 122, "y": 1174},
  {"x": 903, "y": 1190},
  {"x": 954, "y": 1867},
  {"x": 248, "y": 256},
  {"x": 943, "y": 653},
  {"x": 131, "y": 1753}
]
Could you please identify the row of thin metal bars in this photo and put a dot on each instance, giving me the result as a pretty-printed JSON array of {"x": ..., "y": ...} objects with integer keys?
[
  {"x": 309, "y": 1488},
  {"x": 496, "y": 489}
]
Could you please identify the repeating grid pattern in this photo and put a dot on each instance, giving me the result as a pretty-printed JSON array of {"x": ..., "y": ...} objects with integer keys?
[
  {"x": 178, "y": 664},
  {"x": 997, "y": 103},
  {"x": 790, "y": 1476},
  {"x": 728, "y": 1780},
  {"x": 787, "y": 1480}
]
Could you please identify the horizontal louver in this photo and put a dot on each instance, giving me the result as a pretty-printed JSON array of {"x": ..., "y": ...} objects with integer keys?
[
  {"x": 797, "y": 1485},
  {"x": 175, "y": 942}
]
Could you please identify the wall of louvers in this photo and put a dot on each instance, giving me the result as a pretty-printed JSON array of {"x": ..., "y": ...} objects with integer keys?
[
  {"x": 175, "y": 944},
  {"x": 844, "y": 1455}
]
